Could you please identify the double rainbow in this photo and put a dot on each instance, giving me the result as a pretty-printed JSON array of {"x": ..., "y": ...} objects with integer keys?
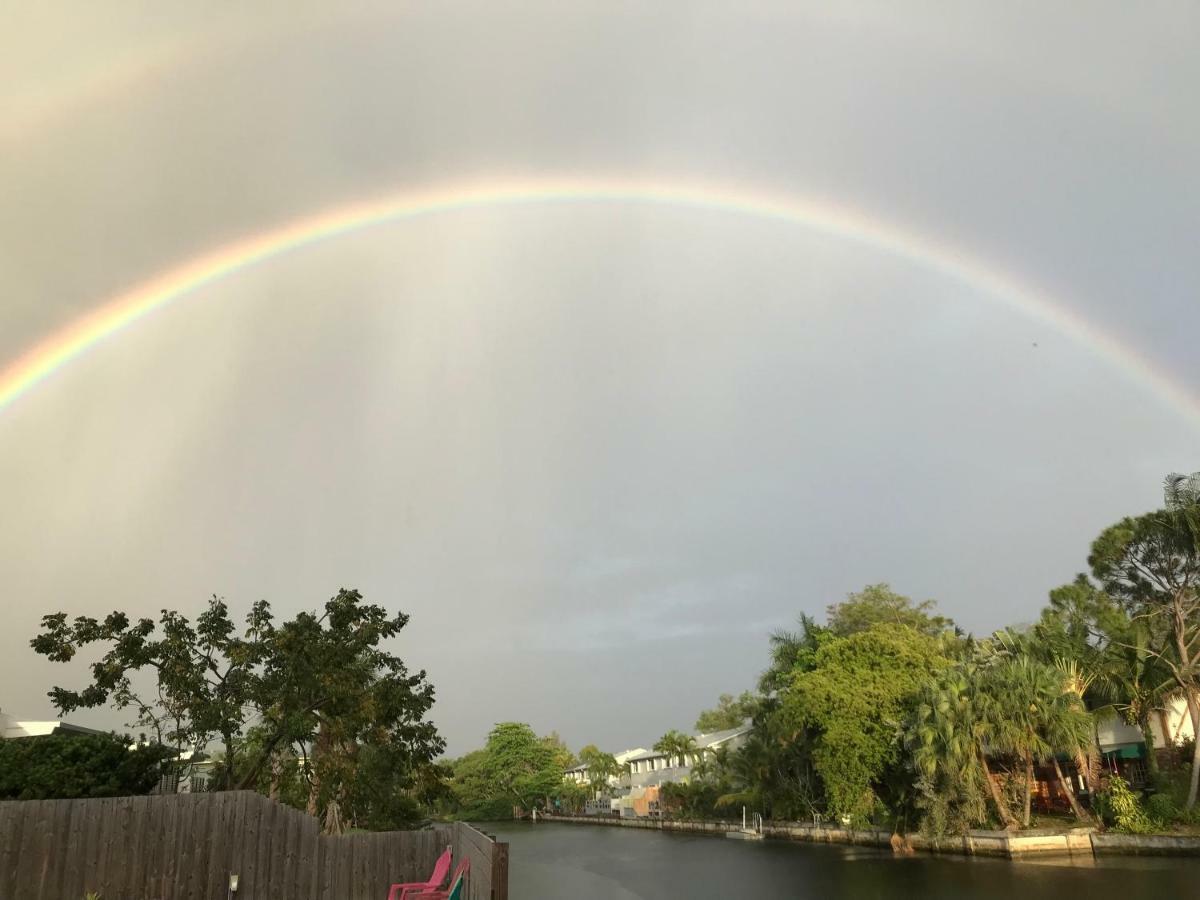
[{"x": 120, "y": 312}]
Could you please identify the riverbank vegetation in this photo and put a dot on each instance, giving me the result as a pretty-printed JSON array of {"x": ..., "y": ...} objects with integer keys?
[{"x": 887, "y": 713}]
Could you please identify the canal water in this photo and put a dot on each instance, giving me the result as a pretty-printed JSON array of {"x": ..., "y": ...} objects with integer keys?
[{"x": 582, "y": 862}]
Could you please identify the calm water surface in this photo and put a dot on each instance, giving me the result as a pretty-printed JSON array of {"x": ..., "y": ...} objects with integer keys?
[{"x": 593, "y": 862}]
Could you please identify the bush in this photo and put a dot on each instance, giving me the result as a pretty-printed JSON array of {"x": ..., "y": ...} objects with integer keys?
[
  {"x": 1124, "y": 808},
  {"x": 1102, "y": 807},
  {"x": 66, "y": 766},
  {"x": 1161, "y": 810}
]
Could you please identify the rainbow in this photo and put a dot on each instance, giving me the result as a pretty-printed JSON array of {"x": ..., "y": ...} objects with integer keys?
[{"x": 840, "y": 221}]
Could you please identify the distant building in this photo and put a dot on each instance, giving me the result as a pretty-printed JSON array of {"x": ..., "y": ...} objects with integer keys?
[
  {"x": 601, "y": 802},
  {"x": 12, "y": 727},
  {"x": 654, "y": 767},
  {"x": 1123, "y": 747},
  {"x": 651, "y": 769}
]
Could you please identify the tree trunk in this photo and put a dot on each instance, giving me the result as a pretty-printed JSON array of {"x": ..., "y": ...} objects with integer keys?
[
  {"x": 1151, "y": 756},
  {"x": 1006, "y": 815},
  {"x": 1070, "y": 789},
  {"x": 1164, "y": 725},
  {"x": 333, "y": 817},
  {"x": 1088, "y": 762},
  {"x": 229, "y": 761},
  {"x": 276, "y": 775},
  {"x": 1194, "y": 709},
  {"x": 1095, "y": 760},
  {"x": 321, "y": 746},
  {"x": 1028, "y": 787}
]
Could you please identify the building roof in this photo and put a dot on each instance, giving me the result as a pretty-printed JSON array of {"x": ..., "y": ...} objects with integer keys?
[
  {"x": 712, "y": 738},
  {"x": 11, "y": 727},
  {"x": 703, "y": 741}
]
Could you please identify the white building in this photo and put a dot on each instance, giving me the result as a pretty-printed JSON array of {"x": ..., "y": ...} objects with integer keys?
[
  {"x": 12, "y": 727},
  {"x": 1123, "y": 746},
  {"x": 656, "y": 767},
  {"x": 651, "y": 769}
]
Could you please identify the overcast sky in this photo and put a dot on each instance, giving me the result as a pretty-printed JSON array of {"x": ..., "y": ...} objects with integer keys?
[{"x": 597, "y": 451}]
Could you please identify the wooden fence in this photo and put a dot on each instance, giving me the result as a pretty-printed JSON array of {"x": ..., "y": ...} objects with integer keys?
[{"x": 186, "y": 847}]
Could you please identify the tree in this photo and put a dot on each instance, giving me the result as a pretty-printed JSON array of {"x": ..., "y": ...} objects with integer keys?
[
  {"x": 475, "y": 796},
  {"x": 1151, "y": 565},
  {"x": 66, "y": 766},
  {"x": 677, "y": 746},
  {"x": 1136, "y": 684},
  {"x": 879, "y": 604},
  {"x": 1035, "y": 716},
  {"x": 856, "y": 696},
  {"x": 792, "y": 652},
  {"x": 601, "y": 768},
  {"x": 328, "y": 688},
  {"x": 203, "y": 673},
  {"x": 519, "y": 766},
  {"x": 563, "y": 757},
  {"x": 318, "y": 688},
  {"x": 947, "y": 740},
  {"x": 1077, "y": 632},
  {"x": 730, "y": 712}
]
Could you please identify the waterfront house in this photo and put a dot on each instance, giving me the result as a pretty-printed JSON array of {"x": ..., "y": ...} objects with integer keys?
[
  {"x": 1123, "y": 752},
  {"x": 601, "y": 802},
  {"x": 651, "y": 769},
  {"x": 655, "y": 767},
  {"x": 1123, "y": 746}
]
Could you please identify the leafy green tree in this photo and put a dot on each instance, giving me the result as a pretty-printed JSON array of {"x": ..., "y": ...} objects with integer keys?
[
  {"x": 475, "y": 795},
  {"x": 329, "y": 688},
  {"x": 66, "y": 766},
  {"x": 878, "y": 604},
  {"x": 793, "y": 652},
  {"x": 730, "y": 712},
  {"x": 1151, "y": 565},
  {"x": 204, "y": 672},
  {"x": 563, "y": 757},
  {"x": 860, "y": 690},
  {"x": 519, "y": 766},
  {"x": 318, "y": 688}
]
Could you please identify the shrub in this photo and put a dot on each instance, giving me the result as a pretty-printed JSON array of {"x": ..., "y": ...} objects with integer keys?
[
  {"x": 1126, "y": 810},
  {"x": 1102, "y": 807},
  {"x": 65, "y": 766},
  {"x": 1161, "y": 809}
]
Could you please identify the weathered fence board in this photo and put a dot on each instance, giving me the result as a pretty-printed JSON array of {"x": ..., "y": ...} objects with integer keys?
[{"x": 185, "y": 847}]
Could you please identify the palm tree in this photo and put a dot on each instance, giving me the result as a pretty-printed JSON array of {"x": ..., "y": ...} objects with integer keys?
[
  {"x": 677, "y": 746},
  {"x": 602, "y": 767},
  {"x": 948, "y": 741},
  {"x": 747, "y": 770},
  {"x": 1136, "y": 684},
  {"x": 1036, "y": 718}
]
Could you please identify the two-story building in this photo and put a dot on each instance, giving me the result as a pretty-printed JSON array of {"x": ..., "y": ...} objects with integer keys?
[{"x": 653, "y": 768}]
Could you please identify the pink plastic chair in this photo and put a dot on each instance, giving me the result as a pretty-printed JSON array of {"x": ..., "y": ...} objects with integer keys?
[
  {"x": 456, "y": 885},
  {"x": 436, "y": 879}
]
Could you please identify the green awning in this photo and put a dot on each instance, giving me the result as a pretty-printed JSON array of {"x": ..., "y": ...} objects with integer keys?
[{"x": 1126, "y": 751}]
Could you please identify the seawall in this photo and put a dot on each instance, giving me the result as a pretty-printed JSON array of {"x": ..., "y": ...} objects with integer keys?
[{"x": 1072, "y": 841}]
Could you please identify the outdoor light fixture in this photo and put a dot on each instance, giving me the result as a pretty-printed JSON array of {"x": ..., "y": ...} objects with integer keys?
[{"x": 233, "y": 882}]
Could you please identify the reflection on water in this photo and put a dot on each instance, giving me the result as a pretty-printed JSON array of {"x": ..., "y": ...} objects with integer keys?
[{"x": 593, "y": 862}]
